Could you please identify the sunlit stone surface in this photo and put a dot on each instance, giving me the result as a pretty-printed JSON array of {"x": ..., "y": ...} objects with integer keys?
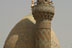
[{"x": 22, "y": 35}]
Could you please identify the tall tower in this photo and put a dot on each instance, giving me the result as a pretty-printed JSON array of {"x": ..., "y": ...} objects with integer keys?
[{"x": 43, "y": 13}]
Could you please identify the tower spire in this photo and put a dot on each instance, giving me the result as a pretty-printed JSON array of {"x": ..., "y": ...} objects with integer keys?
[{"x": 32, "y": 3}]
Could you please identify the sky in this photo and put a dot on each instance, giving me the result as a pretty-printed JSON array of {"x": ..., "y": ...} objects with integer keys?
[{"x": 12, "y": 11}]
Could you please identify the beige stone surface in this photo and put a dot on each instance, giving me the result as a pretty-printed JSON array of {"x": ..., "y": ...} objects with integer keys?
[{"x": 22, "y": 35}]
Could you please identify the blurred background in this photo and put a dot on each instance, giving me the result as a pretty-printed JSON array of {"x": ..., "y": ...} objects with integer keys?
[{"x": 12, "y": 11}]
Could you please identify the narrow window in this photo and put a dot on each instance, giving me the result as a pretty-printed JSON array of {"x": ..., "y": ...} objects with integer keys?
[{"x": 46, "y": 0}]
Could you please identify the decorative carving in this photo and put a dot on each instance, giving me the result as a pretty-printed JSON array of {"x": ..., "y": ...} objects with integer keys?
[{"x": 43, "y": 11}]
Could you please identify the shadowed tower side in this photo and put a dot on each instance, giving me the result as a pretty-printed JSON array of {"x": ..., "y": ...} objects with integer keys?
[{"x": 43, "y": 13}]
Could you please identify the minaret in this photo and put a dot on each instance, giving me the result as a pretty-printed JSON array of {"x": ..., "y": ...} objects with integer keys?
[{"x": 43, "y": 13}]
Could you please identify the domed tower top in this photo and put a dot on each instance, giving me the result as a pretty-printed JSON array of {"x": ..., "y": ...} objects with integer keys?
[{"x": 43, "y": 10}]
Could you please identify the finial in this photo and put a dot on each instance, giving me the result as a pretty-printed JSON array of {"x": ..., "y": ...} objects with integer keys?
[{"x": 32, "y": 3}]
